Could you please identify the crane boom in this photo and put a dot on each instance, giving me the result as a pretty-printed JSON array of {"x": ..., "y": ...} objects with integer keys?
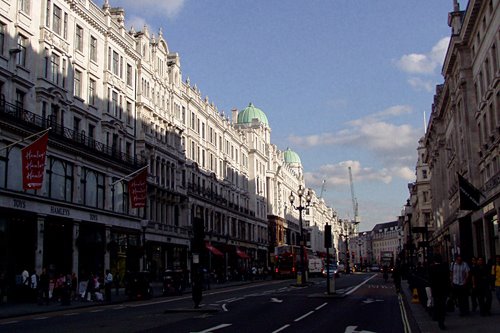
[
  {"x": 354, "y": 200},
  {"x": 323, "y": 185}
]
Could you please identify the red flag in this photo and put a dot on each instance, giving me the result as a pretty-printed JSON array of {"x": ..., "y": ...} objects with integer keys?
[
  {"x": 138, "y": 189},
  {"x": 33, "y": 163}
]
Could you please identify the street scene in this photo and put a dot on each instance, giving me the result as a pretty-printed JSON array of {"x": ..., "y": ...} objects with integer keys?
[{"x": 343, "y": 175}]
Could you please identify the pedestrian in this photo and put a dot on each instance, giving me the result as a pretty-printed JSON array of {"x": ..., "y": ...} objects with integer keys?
[
  {"x": 43, "y": 287},
  {"x": 108, "y": 284},
  {"x": 481, "y": 285},
  {"x": 74, "y": 287},
  {"x": 396, "y": 277},
  {"x": 495, "y": 277},
  {"x": 440, "y": 284},
  {"x": 117, "y": 283},
  {"x": 460, "y": 275},
  {"x": 34, "y": 280}
]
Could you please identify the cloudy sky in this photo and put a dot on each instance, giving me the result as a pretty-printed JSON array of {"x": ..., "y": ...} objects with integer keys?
[{"x": 342, "y": 82}]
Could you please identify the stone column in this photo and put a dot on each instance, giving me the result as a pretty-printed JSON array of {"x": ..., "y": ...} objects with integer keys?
[
  {"x": 76, "y": 253},
  {"x": 40, "y": 226},
  {"x": 107, "y": 256}
]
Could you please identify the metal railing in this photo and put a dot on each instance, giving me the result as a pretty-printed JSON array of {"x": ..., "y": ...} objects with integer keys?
[{"x": 29, "y": 120}]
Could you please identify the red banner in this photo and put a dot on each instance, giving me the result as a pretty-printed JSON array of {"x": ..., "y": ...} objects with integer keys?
[
  {"x": 138, "y": 189},
  {"x": 33, "y": 163}
]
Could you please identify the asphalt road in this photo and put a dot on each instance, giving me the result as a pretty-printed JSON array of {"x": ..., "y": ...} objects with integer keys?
[{"x": 369, "y": 305}]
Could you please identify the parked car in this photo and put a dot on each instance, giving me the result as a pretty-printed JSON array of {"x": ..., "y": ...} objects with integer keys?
[
  {"x": 139, "y": 285},
  {"x": 331, "y": 270},
  {"x": 374, "y": 268}
]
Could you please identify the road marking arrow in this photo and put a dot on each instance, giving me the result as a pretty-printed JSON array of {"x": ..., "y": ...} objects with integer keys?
[
  {"x": 275, "y": 300},
  {"x": 352, "y": 329}
]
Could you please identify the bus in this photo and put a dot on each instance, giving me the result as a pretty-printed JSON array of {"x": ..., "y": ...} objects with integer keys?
[{"x": 287, "y": 260}]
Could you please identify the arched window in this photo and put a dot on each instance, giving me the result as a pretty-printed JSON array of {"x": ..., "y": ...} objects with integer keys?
[
  {"x": 60, "y": 180},
  {"x": 92, "y": 189}
]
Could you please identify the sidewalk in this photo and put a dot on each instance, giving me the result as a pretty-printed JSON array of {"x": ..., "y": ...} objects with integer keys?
[
  {"x": 12, "y": 310},
  {"x": 454, "y": 323}
]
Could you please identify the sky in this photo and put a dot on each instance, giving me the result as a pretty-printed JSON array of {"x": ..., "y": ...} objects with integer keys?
[{"x": 342, "y": 82}]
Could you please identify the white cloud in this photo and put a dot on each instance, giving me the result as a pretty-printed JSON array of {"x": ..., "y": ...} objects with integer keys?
[
  {"x": 420, "y": 84},
  {"x": 371, "y": 133},
  {"x": 424, "y": 63}
]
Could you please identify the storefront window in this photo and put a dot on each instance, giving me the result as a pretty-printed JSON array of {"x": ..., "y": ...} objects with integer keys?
[
  {"x": 92, "y": 189},
  {"x": 60, "y": 180}
]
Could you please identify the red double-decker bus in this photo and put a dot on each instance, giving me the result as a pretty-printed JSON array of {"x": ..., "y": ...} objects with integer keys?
[{"x": 287, "y": 260}]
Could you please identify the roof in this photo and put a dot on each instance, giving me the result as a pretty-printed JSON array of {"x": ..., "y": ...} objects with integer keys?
[
  {"x": 248, "y": 114},
  {"x": 291, "y": 157}
]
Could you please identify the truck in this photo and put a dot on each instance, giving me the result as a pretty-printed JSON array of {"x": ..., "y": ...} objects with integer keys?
[{"x": 315, "y": 266}]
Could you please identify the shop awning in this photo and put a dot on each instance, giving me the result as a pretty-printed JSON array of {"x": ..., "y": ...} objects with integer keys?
[
  {"x": 214, "y": 250},
  {"x": 242, "y": 254}
]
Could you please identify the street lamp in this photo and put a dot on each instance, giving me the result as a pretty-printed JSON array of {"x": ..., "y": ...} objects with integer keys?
[
  {"x": 144, "y": 225},
  {"x": 301, "y": 193}
]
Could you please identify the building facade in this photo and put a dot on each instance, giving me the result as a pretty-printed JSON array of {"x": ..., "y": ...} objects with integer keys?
[
  {"x": 463, "y": 136},
  {"x": 115, "y": 101}
]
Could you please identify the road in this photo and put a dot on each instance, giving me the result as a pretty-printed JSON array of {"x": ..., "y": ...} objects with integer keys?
[{"x": 369, "y": 305}]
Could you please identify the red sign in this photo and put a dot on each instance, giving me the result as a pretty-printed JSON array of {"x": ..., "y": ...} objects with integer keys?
[
  {"x": 33, "y": 163},
  {"x": 138, "y": 189}
]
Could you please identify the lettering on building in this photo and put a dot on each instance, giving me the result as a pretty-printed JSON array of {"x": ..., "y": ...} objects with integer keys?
[{"x": 60, "y": 211}]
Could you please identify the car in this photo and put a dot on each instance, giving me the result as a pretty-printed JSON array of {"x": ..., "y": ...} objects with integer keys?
[
  {"x": 374, "y": 268},
  {"x": 331, "y": 270}
]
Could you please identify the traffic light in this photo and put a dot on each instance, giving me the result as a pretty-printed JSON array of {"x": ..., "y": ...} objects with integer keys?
[{"x": 328, "y": 236}]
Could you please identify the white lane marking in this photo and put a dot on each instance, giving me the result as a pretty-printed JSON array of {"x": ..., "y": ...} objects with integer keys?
[
  {"x": 302, "y": 317},
  {"x": 40, "y": 318},
  {"x": 281, "y": 328},
  {"x": 352, "y": 329},
  {"x": 208, "y": 330},
  {"x": 10, "y": 322},
  {"x": 94, "y": 311},
  {"x": 70, "y": 314},
  {"x": 275, "y": 300},
  {"x": 359, "y": 285},
  {"x": 322, "y": 305},
  {"x": 224, "y": 307}
]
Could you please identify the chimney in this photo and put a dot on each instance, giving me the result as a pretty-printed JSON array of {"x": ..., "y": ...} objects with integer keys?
[{"x": 234, "y": 112}]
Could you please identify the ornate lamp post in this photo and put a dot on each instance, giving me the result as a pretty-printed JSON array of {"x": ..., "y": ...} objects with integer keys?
[{"x": 301, "y": 193}]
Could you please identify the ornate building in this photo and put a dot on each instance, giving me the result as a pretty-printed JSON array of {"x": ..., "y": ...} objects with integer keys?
[{"x": 115, "y": 101}]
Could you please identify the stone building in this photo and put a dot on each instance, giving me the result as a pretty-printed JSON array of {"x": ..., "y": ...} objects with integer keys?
[
  {"x": 463, "y": 136},
  {"x": 115, "y": 101}
]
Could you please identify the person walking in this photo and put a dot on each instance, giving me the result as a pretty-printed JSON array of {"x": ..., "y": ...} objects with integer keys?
[
  {"x": 43, "y": 287},
  {"x": 495, "y": 277},
  {"x": 108, "y": 284},
  {"x": 440, "y": 284},
  {"x": 481, "y": 286},
  {"x": 459, "y": 275}
]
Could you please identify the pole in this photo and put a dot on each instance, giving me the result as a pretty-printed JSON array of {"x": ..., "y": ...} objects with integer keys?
[
  {"x": 302, "y": 268},
  {"x": 26, "y": 138}
]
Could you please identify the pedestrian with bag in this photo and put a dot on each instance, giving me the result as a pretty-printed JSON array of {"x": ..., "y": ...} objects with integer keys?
[
  {"x": 460, "y": 275},
  {"x": 440, "y": 288}
]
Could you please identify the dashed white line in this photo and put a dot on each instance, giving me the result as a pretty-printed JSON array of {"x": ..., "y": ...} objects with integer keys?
[
  {"x": 211, "y": 329},
  {"x": 40, "y": 318},
  {"x": 71, "y": 314},
  {"x": 281, "y": 328},
  {"x": 322, "y": 305},
  {"x": 302, "y": 317},
  {"x": 10, "y": 322}
]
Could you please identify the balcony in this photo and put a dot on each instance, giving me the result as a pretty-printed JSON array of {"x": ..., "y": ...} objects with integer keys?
[{"x": 16, "y": 116}]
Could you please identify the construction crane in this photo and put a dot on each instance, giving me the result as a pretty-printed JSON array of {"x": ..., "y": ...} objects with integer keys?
[
  {"x": 354, "y": 200},
  {"x": 323, "y": 190}
]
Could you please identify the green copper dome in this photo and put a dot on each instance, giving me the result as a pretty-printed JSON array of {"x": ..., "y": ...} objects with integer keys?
[
  {"x": 291, "y": 157},
  {"x": 249, "y": 113}
]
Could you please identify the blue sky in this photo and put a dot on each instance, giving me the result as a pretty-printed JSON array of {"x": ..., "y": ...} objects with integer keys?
[{"x": 342, "y": 82}]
